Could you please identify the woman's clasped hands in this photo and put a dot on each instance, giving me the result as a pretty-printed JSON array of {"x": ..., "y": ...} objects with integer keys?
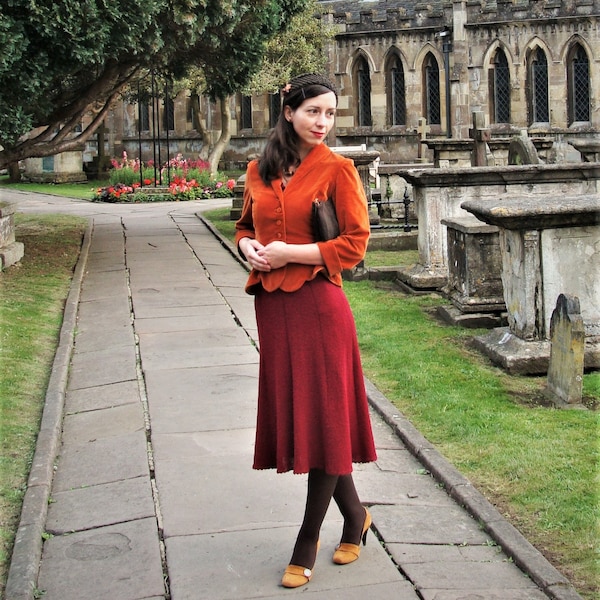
[{"x": 264, "y": 258}]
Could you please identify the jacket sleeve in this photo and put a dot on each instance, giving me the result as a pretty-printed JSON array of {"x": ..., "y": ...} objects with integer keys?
[
  {"x": 348, "y": 249},
  {"x": 244, "y": 226}
]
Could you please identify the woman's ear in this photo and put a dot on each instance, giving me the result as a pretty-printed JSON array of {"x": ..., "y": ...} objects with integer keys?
[{"x": 288, "y": 113}]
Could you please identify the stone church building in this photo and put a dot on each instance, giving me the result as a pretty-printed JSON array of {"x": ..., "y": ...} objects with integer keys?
[{"x": 410, "y": 69}]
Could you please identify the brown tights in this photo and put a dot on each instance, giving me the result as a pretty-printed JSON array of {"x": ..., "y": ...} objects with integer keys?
[{"x": 321, "y": 488}]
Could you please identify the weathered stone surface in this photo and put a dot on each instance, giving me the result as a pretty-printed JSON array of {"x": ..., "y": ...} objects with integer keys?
[
  {"x": 567, "y": 341},
  {"x": 120, "y": 561},
  {"x": 11, "y": 251},
  {"x": 549, "y": 246},
  {"x": 474, "y": 266}
]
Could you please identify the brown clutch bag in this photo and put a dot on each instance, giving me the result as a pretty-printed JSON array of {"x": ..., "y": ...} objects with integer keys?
[{"x": 325, "y": 223}]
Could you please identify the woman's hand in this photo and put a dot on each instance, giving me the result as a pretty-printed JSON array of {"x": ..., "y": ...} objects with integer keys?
[
  {"x": 250, "y": 248},
  {"x": 275, "y": 253}
]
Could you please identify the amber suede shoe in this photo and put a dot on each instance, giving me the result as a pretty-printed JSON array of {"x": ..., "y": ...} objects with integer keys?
[
  {"x": 295, "y": 576},
  {"x": 347, "y": 553}
]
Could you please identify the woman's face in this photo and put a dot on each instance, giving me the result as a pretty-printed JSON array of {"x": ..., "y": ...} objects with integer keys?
[{"x": 312, "y": 120}]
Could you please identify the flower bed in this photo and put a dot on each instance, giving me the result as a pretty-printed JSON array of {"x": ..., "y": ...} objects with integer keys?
[{"x": 178, "y": 180}]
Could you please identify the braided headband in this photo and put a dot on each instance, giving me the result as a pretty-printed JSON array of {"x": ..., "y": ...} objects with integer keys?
[{"x": 297, "y": 84}]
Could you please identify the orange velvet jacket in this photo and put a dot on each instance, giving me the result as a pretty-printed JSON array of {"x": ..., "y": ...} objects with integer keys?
[{"x": 271, "y": 213}]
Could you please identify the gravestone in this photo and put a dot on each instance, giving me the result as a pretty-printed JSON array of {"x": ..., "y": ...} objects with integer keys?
[
  {"x": 474, "y": 274},
  {"x": 522, "y": 151},
  {"x": 423, "y": 129},
  {"x": 10, "y": 250},
  {"x": 237, "y": 204},
  {"x": 567, "y": 348},
  {"x": 481, "y": 135}
]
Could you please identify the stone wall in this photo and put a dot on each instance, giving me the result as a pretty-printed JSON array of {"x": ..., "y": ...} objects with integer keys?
[{"x": 66, "y": 167}]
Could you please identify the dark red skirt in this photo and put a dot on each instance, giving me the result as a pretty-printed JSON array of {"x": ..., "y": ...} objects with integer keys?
[{"x": 312, "y": 404}]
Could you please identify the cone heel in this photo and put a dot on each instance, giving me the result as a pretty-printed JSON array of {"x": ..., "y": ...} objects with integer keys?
[{"x": 347, "y": 553}]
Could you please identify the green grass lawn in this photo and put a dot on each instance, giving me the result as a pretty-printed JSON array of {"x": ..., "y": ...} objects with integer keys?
[
  {"x": 32, "y": 295},
  {"x": 536, "y": 463},
  {"x": 83, "y": 191}
]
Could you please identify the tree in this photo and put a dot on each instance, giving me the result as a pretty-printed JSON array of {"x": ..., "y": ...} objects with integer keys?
[
  {"x": 297, "y": 48},
  {"x": 61, "y": 62}
]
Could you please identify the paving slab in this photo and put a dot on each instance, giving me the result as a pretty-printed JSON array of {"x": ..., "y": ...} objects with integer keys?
[
  {"x": 104, "y": 284},
  {"x": 167, "y": 343},
  {"x": 103, "y": 314},
  {"x": 91, "y": 339},
  {"x": 427, "y": 524},
  {"x": 120, "y": 562},
  {"x": 100, "y": 367},
  {"x": 210, "y": 398},
  {"x": 407, "y": 489},
  {"x": 444, "y": 574},
  {"x": 143, "y": 275},
  {"x": 213, "y": 313},
  {"x": 101, "y": 461},
  {"x": 102, "y": 396},
  {"x": 155, "y": 356},
  {"x": 201, "y": 445},
  {"x": 100, "y": 505},
  {"x": 93, "y": 425},
  {"x": 485, "y": 593}
]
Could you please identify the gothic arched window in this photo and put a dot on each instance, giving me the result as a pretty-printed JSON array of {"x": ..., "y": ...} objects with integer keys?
[
  {"x": 169, "y": 115},
  {"x": 274, "y": 108},
  {"x": 500, "y": 89},
  {"x": 396, "y": 92},
  {"x": 539, "y": 109},
  {"x": 431, "y": 87},
  {"x": 143, "y": 116},
  {"x": 246, "y": 112},
  {"x": 363, "y": 92},
  {"x": 578, "y": 85}
]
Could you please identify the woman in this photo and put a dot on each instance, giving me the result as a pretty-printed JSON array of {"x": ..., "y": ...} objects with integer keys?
[{"x": 312, "y": 408}]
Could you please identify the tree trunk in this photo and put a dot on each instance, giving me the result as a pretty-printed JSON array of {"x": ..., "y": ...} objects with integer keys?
[
  {"x": 223, "y": 141},
  {"x": 14, "y": 172},
  {"x": 197, "y": 125}
]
